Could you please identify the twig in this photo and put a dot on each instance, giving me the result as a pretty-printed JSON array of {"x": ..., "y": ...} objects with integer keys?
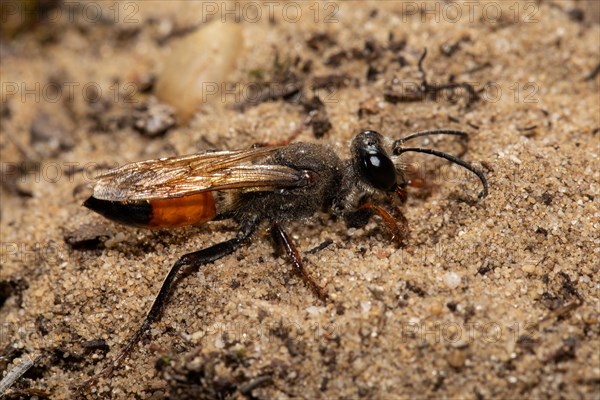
[{"x": 16, "y": 372}]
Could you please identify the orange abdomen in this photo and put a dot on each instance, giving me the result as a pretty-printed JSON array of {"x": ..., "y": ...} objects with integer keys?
[
  {"x": 182, "y": 211},
  {"x": 162, "y": 213}
]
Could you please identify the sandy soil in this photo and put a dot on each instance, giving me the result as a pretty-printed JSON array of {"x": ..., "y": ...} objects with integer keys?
[{"x": 489, "y": 298}]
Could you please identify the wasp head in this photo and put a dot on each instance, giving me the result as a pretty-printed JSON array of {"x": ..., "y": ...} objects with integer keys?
[
  {"x": 372, "y": 164},
  {"x": 376, "y": 170}
]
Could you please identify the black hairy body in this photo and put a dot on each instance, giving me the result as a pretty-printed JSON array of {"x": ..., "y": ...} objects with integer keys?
[{"x": 323, "y": 169}]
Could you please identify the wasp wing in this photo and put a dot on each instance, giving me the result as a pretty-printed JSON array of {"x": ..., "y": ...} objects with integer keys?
[{"x": 188, "y": 175}]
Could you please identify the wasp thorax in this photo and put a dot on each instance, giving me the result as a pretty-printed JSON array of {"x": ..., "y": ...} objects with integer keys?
[{"x": 372, "y": 162}]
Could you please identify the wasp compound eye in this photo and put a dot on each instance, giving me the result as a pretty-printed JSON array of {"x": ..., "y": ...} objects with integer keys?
[
  {"x": 374, "y": 164},
  {"x": 379, "y": 171}
]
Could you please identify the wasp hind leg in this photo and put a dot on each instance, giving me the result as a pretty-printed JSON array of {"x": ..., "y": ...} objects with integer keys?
[
  {"x": 281, "y": 237},
  {"x": 194, "y": 259}
]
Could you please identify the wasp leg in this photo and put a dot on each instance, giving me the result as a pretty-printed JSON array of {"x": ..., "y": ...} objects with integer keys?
[
  {"x": 397, "y": 223},
  {"x": 416, "y": 179},
  {"x": 402, "y": 193},
  {"x": 196, "y": 259},
  {"x": 282, "y": 237}
]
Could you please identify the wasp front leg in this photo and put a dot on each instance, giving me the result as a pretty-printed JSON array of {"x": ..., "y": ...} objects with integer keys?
[
  {"x": 417, "y": 179},
  {"x": 395, "y": 222}
]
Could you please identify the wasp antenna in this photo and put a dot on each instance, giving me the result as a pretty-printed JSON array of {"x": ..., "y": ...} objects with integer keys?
[
  {"x": 399, "y": 142},
  {"x": 451, "y": 158}
]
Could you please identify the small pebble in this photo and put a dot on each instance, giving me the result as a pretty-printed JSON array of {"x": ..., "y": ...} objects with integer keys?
[
  {"x": 452, "y": 280},
  {"x": 456, "y": 358}
]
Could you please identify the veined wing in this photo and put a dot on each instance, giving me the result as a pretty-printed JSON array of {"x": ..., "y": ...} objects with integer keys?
[{"x": 188, "y": 175}]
